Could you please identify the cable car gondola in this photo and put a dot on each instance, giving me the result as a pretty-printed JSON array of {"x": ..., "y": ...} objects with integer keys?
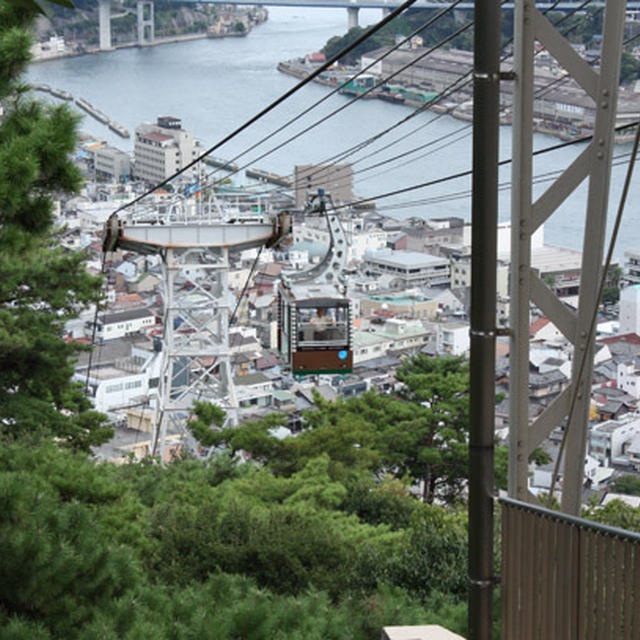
[{"x": 315, "y": 333}]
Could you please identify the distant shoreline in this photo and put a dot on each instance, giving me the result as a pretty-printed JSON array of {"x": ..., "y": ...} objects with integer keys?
[{"x": 133, "y": 45}]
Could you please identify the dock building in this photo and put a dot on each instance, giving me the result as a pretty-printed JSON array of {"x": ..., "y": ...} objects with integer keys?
[{"x": 558, "y": 106}]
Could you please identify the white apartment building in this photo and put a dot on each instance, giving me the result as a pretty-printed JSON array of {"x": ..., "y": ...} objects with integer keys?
[
  {"x": 609, "y": 441},
  {"x": 452, "y": 339},
  {"x": 119, "y": 325},
  {"x": 394, "y": 335},
  {"x": 112, "y": 162},
  {"x": 629, "y": 378},
  {"x": 161, "y": 149},
  {"x": 632, "y": 267},
  {"x": 630, "y": 310}
]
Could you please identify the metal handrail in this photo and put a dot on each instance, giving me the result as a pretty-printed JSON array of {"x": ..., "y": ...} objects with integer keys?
[
  {"x": 567, "y": 578},
  {"x": 565, "y": 517}
]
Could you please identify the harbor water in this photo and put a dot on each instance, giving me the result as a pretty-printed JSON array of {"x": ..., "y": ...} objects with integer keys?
[{"x": 215, "y": 85}]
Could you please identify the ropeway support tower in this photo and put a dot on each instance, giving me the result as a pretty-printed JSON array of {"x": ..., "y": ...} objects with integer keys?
[
  {"x": 593, "y": 164},
  {"x": 194, "y": 239}
]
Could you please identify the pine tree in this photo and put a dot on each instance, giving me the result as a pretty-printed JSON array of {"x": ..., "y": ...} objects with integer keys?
[{"x": 41, "y": 284}]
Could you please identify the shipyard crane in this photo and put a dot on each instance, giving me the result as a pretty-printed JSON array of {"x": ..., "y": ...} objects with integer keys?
[{"x": 193, "y": 239}]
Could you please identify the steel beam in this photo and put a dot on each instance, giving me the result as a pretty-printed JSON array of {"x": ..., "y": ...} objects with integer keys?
[
  {"x": 196, "y": 352},
  {"x": 594, "y": 164}
]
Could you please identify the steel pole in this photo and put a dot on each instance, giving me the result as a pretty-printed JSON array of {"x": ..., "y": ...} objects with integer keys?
[{"x": 484, "y": 221}]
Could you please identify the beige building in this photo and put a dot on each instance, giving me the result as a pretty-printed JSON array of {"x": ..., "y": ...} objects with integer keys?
[
  {"x": 400, "y": 306},
  {"x": 335, "y": 179},
  {"x": 112, "y": 162}
]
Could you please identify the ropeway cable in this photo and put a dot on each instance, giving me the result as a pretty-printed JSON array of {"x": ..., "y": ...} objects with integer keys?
[
  {"x": 276, "y": 102},
  {"x": 344, "y": 106},
  {"x": 335, "y": 90},
  {"x": 453, "y": 88},
  {"x": 462, "y": 195},
  {"x": 468, "y": 172}
]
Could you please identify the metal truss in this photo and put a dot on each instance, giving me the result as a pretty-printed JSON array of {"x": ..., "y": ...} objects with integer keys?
[
  {"x": 594, "y": 165},
  {"x": 196, "y": 353},
  {"x": 194, "y": 238}
]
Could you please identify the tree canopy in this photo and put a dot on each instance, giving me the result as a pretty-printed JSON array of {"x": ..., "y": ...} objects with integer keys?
[
  {"x": 420, "y": 434},
  {"x": 42, "y": 284}
]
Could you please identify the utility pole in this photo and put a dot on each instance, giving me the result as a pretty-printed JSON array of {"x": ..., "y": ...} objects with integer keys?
[{"x": 484, "y": 222}]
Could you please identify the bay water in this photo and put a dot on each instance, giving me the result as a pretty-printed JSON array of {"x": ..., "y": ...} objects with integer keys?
[{"x": 215, "y": 85}]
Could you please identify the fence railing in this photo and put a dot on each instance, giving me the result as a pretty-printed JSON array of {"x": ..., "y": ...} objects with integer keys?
[{"x": 566, "y": 578}]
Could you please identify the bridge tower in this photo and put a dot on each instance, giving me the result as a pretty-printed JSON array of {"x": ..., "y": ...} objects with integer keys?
[
  {"x": 593, "y": 164},
  {"x": 352, "y": 16},
  {"x": 104, "y": 24},
  {"x": 146, "y": 28}
]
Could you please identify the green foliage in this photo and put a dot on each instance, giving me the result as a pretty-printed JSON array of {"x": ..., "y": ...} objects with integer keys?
[
  {"x": 39, "y": 6},
  {"x": 421, "y": 434},
  {"x": 630, "y": 68},
  {"x": 610, "y": 295},
  {"x": 386, "y": 503},
  {"x": 42, "y": 285},
  {"x": 628, "y": 484},
  {"x": 403, "y": 25},
  {"x": 56, "y": 565},
  {"x": 206, "y": 416},
  {"x": 142, "y": 551},
  {"x": 430, "y": 557},
  {"x": 616, "y": 514}
]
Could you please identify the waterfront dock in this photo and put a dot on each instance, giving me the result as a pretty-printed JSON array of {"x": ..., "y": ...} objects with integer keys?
[
  {"x": 86, "y": 106},
  {"x": 220, "y": 163}
]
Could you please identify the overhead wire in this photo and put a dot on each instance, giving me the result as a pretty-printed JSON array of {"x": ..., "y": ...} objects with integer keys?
[
  {"x": 344, "y": 106},
  {"x": 287, "y": 94},
  {"x": 541, "y": 91},
  {"x": 460, "y": 195},
  {"x": 468, "y": 172},
  {"x": 457, "y": 85},
  {"x": 398, "y": 45}
]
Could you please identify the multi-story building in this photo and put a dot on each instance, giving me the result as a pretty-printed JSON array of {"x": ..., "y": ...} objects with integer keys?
[
  {"x": 628, "y": 377},
  {"x": 630, "y": 310},
  {"x": 408, "y": 268},
  {"x": 452, "y": 338},
  {"x": 632, "y": 267},
  {"x": 394, "y": 336},
  {"x": 112, "y": 163},
  {"x": 399, "y": 306},
  {"x": 609, "y": 441},
  {"x": 161, "y": 149},
  {"x": 117, "y": 325},
  {"x": 335, "y": 179}
]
